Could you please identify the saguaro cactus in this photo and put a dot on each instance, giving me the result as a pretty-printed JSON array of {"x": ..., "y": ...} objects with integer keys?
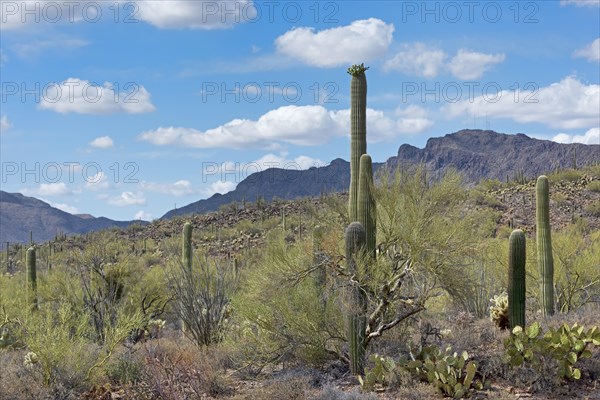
[
  {"x": 366, "y": 203},
  {"x": 357, "y": 302},
  {"x": 31, "y": 278},
  {"x": 516, "y": 278},
  {"x": 544, "y": 246},
  {"x": 186, "y": 249},
  {"x": 358, "y": 131}
]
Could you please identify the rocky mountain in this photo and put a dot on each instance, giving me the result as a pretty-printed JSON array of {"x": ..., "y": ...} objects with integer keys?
[
  {"x": 278, "y": 183},
  {"x": 478, "y": 154},
  {"x": 20, "y": 215}
]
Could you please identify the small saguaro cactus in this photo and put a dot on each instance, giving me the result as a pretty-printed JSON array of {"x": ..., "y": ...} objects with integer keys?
[
  {"x": 357, "y": 302},
  {"x": 186, "y": 250},
  {"x": 366, "y": 203},
  {"x": 544, "y": 246},
  {"x": 358, "y": 131},
  {"x": 516, "y": 278},
  {"x": 31, "y": 278}
]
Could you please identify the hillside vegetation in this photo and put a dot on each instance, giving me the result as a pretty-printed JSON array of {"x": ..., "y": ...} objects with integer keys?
[{"x": 109, "y": 309}]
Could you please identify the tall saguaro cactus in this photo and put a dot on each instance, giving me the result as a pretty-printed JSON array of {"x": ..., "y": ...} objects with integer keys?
[
  {"x": 544, "y": 246},
  {"x": 31, "y": 278},
  {"x": 186, "y": 249},
  {"x": 366, "y": 203},
  {"x": 516, "y": 278},
  {"x": 357, "y": 302},
  {"x": 358, "y": 131}
]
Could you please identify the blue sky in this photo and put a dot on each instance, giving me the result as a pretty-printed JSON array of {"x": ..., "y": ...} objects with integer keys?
[{"x": 125, "y": 109}]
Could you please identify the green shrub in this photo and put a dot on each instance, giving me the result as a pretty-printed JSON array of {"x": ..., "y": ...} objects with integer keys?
[
  {"x": 558, "y": 349},
  {"x": 594, "y": 186}
]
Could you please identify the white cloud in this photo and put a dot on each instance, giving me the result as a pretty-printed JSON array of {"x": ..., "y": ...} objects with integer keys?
[
  {"x": 580, "y": 3},
  {"x": 568, "y": 104},
  {"x": 4, "y": 124},
  {"x": 296, "y": 125},
  {"x": 128, "y": 199},
  {"x": 48, "y": 189},
  {"x": 469, "y": 65},
  {"x": 179, "y": 188},
  {"x": 418, "y": 60},
  {"x": 83, "y": 97},
  {"x": 142, "y": 215},
  {"x": 221, "y": 187},
  {"x": 592, "y": 136},
  {"x": 62, "y": 43},
  {"x": 65, "y": 207},
  {"x": 102, "y": 142},
  {"x": 591, "y": 52},
  {"x": 362, "y": 40},
  {"x": 99, "y": 181},
  {"x": 180, "y": 14}
]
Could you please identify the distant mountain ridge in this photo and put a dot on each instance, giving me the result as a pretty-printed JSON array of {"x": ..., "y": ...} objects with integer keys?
[
  {"x": 21, "y": 214},
  {"x": 478, "y": 154}
]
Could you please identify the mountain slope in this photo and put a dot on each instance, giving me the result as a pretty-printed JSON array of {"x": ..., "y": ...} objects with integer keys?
[
  {"x": 20, "y": 215},
  {"x": 477, "y": 154}
]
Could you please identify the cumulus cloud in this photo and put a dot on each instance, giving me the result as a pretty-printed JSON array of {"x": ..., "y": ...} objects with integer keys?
[
  {"x": 362, "y": 40},
  {"x": 418, "y": 60},
  {"x": 65, "y": 207},
  {"x": 199, "y": 14},
  {"x": 592, "y": 136},
  {"x": 179, "y": 188},
  {"x": 83, "y": 97},
  {"x": 591, "y": 52},
  {"x": 568, "y": 104},
  {"x": 99, "y": 181},
  {"x": 469, "y": 65},
  {"x": 296, "y": 125},
  {"x": 128, "y": 199},
  {"x": 219, "y": 186},
  {"x": 142, "y": 215},
  {"x": 48, "y": 189},
  {"x": 102, "y": 142},
  {"x": 4, "y": 124}
]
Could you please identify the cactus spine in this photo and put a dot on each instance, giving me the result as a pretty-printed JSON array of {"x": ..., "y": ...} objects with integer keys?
[
  {"x": 516, "y": 278},
  {"x": 31, "y": 278},
  {"x": 357, "y": 302},
  {"x": 544, "y": 246},
  {"x": 186, "y": 250},
  {"x": 358, "y": 131}
]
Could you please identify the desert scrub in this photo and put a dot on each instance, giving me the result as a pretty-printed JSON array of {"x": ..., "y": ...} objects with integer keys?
[
  {"x": 593, "y": 209},
  {"x": 594, "y": 186},
  {"x": 281, "y": 311}
]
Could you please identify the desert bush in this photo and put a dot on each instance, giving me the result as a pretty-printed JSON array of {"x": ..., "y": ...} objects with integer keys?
[
  {"x": 202, "y": 297},
  {"x": 577, "y": 268},
  {"x": 284, "y": 311},
  {"x": 594, "y": 186},
  {"x": 330, "y": 392},
  {"x": 593, "y": 209}
]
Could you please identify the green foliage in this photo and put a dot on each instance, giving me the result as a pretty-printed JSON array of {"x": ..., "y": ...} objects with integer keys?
[
  {"x": 593, "y": 209},
  {"x": 561, "y": 347},
  {"x": 451, "y": 374},
  {"x": 577, "y": 267},
  {"x": 544, "y": 246},
  {"x": 282, "y": 311},
  {"x": 594, "y": 186}
]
